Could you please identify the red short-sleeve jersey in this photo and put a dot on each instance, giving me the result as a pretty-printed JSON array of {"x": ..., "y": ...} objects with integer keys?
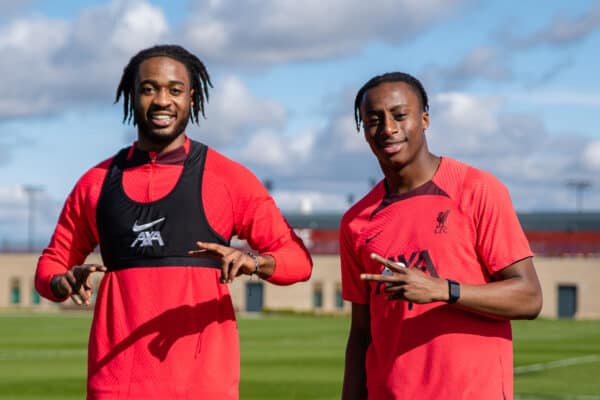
[
  {"x": 462, "y": 226},
  {"x": 170, "y": 332}
]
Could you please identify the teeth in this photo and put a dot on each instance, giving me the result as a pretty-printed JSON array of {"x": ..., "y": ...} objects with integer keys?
[{"x": 161, "y": 117}]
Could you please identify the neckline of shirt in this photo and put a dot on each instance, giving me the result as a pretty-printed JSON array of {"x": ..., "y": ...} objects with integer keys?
[{"x": 173, "y": 157}]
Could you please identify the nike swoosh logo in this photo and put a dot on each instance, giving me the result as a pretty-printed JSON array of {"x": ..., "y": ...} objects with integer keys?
[
  {"x": 138, "y": 228},
  {"x": 367, "y": 240}
]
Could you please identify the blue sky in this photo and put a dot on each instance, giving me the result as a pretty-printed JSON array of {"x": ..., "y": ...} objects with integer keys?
[{"x": 513, "y": 89}]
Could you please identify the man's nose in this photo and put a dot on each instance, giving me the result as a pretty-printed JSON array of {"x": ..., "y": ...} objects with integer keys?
[
  {"x": 162, "y": 98},
  {"x": 390, "y": 125}
]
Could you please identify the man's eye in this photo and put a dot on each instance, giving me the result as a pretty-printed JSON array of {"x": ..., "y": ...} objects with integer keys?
[
  {"x": 175, "y": 92},
  {"x": 399, "y": 117},
  {"x": 147, "y": 90},
  {"x": 372, "y": 123}
]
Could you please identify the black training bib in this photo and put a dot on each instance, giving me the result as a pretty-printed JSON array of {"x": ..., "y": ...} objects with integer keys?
[{"x": 159, "y": 233}]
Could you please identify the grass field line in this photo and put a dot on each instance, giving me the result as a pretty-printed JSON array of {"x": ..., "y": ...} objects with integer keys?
[
  {"x": 556, "y": 364},
  {"x": 39, "y": 354}
]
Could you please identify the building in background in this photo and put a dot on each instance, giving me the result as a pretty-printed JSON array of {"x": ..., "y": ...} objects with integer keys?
[{"x": 567, "y": 248}]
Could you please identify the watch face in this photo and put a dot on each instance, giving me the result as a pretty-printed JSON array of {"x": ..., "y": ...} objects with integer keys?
[{"x": 454, "y": 291}]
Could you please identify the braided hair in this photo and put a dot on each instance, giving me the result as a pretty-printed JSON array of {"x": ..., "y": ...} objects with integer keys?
[
  {"x": 199, "y": 78},
  {"x": 410, "y": 80}
]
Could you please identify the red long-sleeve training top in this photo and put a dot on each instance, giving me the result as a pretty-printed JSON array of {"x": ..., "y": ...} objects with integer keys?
[{"x": 170, "y": 332}]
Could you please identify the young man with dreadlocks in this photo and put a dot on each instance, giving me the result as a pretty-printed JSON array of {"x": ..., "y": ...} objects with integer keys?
[
  {"x": 434, "y": 261},
  {"x": 163, "y": 212}
]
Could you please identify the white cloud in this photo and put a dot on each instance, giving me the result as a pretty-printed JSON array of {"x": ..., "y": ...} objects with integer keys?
[
  {"x": 15, "y": 213},
  {"x": 281, "y": 153},
  {"x": 140, "y": 26},
  {"x": 310, "y": 201},
  {"x": 210, "y": 36},
  {"x": 14, "y": 108},
  {"x": 30, "y": 75},
  {"x": 495, "y": 62},
  {"x": 265, "y": 148},
  {"x": 563, "y": 30},
  {"x": 33, "y": 37},
  {"x": 591, "y": 156},
  {"x": 348, "y": 138},
  {"x": 534, "y": 163},
  {"x": 471, "y": 120},
  {"x": 302, "y": 144},
  {"x": 54, "y": 63},
  {"x": 478, "y": 130},
  {"x": 275, "y": 31},
  {"x": 233, "y": 112}
]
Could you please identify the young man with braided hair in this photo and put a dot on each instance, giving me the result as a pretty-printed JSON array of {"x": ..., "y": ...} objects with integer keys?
[
  {"x": 434, "y": 261},
  {"x": 163, "y": 212}
]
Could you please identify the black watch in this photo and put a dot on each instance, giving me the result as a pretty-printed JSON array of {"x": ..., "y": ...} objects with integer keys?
[{"x": 453, "y": 291}]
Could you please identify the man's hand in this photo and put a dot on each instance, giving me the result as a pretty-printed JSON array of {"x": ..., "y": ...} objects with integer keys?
[
  {"x": 234, "y": 262},
  {"x": 409, "y": 284},
  {"x": 75, "y": 283}
]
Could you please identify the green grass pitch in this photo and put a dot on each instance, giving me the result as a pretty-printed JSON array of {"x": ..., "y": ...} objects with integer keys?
[{"x": 43, "y": 356}]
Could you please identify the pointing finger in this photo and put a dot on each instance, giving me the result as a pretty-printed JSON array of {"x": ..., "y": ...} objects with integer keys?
[
  {"x": 393, "y": 265},
  {"x": 204, "y": 253},
  {"x": 95, "y": 268},
  {"x": 379, "y": 259},
  {"x": 211, "y": 250},
  {"x": 211, "y": 246},
  {"x": 378, "y": 278}
]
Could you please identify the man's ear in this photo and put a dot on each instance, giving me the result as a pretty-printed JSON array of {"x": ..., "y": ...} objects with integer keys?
[{"x": 425, "y": 119}]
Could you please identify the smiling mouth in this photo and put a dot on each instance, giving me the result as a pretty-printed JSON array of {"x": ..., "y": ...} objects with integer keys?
[
  {"x": 393, "y": 147},
  {"x": 161, "y": 120}
]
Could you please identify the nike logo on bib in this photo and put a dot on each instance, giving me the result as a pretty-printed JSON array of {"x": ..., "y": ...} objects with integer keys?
[{"x": 138, "y": 228}]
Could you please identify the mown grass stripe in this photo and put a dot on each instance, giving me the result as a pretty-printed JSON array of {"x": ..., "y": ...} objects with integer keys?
[{"x": 524, "y": 369}]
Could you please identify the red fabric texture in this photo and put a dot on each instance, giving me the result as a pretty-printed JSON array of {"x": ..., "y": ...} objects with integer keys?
[
  {"x": 466, "y": 232},
  {"x": 170, "y": 332}
]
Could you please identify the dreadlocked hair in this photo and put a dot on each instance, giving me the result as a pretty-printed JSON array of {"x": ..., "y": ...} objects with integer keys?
[
  {"x": 410, "y": 80},
  {"x": 199, "y": 78}
]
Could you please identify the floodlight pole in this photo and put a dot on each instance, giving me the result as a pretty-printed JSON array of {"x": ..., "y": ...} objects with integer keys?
[
  {"x": 31, "y": 191},
  {"x": 579, "y": 186}
]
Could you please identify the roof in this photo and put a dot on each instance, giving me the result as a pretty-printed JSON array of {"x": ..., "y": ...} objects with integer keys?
[
  {"x": 531, "y": 221},
  {"x": 556, "y": 221}
]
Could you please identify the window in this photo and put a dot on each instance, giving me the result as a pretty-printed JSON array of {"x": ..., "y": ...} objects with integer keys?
[
  {"x": 339, "y": 300},
  {"x": 15, "y": 291},
  {"x": 318, "y": 295},
  {"x": 567, "y": 301},
  {"x": 254, "y": 296},
  {"x": 35, "y": 296}
]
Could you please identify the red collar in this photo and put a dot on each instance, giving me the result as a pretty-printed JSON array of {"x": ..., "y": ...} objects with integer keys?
[{"x": 173, "y": 157}]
